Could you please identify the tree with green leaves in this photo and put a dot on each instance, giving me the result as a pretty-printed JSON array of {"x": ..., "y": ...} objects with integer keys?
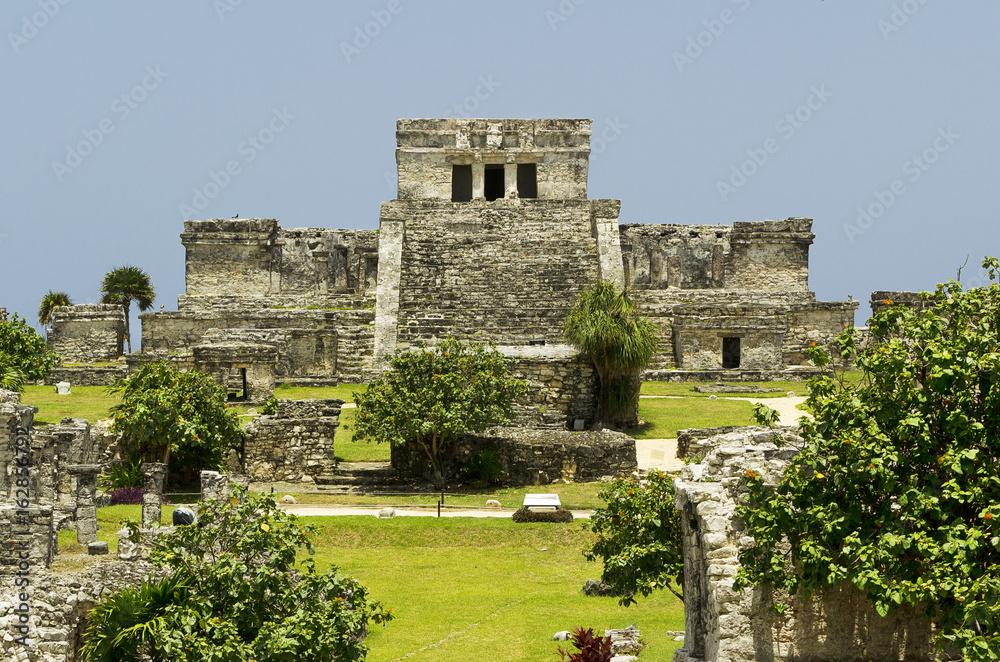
[
  {"x": 638, "y": 537},
  {"x": 51, "y": 301},
  {"x": 606, "y": 326},
  {"x": 167, "y": 413},
  {"x": 432, "y": 396},
  {"x": 123, "y": 285},
  {"x": 233, "y": 593},
  {"x": 24, "y": 355},
  {"x": 897, "y": 490}
]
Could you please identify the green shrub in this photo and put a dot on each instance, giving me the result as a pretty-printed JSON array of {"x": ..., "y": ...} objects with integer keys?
[
  {"x": 23, "y": 351},
  {"x": 524, "y": 516},
  {"x": 483, "y": 468},
  {"x": 270, "y": 407},
  {"x": 121, "y": 473}
]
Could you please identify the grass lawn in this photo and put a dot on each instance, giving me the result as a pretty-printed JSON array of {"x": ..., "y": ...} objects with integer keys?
[
  {"x": 664, "y": 417},
  {"x": 89, "y": 402},
  {"x": 462, "y": 588},
  {"x": 574, "y": 496}
]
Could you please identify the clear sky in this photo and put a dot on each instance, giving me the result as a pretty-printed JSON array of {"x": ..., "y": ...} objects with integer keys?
[{"x": 877, "y": 118}]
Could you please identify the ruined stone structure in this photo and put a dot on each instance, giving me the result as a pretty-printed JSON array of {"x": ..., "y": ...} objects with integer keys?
[
  {"x": 296, "y": 444},
  {"x": 88, "y": 333},
  {"x": 535, "y": 457},
  {"x": 882, "y": 299},
  {"x": 722, "y": 625},
  {"x": 491, "y": 238}
]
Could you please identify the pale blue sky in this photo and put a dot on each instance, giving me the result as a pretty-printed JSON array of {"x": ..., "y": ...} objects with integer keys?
[{"x": 115, "y": 113}]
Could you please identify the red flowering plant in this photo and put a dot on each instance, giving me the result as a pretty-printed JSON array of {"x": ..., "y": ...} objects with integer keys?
[
  {"x": 639, "y": 537},
  {"x": 897, "y": 490}
]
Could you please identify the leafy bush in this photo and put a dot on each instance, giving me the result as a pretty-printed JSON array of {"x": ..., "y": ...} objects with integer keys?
[
  {"x": 431, "y": 397},
  {"x": 524, "y": 516},
  {"x": 23, "y": 350},
  {"x": 639, "y": 537},
  {"x": 237, "y": 595},
  {"x": 121, "y": 473},
  {"x": 592, "y": 648},
  {"x": 165, "y": 411},
  {"x": 270, "y": 407},
  {"x": 483, "y": 468},
  {"x": 897, "y": 491}
]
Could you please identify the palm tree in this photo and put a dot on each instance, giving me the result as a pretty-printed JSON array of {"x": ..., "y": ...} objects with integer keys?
[
  {"x": 12, "y": 378},
  {"x": 123, "y": 285},
  {"x": 605, "y": 325},
  {"x": 49, "y": 302}
]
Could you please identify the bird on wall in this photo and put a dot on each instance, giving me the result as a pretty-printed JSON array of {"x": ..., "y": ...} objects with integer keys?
[{"x": 237, "y": 216}]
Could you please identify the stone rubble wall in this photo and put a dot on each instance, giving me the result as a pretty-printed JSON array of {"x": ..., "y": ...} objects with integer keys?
[
  {"x": 562, "y": 386},
  {"x": 91, "y": 375},
  {"x": 57, "y": 607},
  {"x": 88, "y": 333},
  {"x": 838, "y": 625},
  {"x": 292, "y": 449},
  {"x": 533, "y": 456},
  {"x": 911, "y": 300}
]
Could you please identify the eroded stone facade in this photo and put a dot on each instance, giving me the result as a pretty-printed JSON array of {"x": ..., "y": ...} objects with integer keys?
[
  {"x": 722, "y": 625},
  {"x": 88, "y": 333},
  {"x": 294, "y": 445}
]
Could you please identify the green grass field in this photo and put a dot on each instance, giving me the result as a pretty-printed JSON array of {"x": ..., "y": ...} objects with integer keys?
[{"x": 464, "y": 588}]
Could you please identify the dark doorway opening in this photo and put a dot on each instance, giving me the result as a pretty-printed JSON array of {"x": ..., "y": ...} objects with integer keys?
[
  {"x": 461, "y": 183},
  {"x": 730, "y": 353},
  {"x": 493, "y": 181},
  {"x": 527, "y": 180}
]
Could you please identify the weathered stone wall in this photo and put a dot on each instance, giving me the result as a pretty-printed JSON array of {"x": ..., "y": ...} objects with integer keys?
[
  {"x": 428, "y": 148},
  {"x": 674, "y": 256},
  {"x": 490, "y": 270},
  {"x": 562, "y": 386},
  {"x": 533, "y": 456},
  {"x": 56, "y": 606},
  {"x": 724, "y": 626},
  {"x": 244, "y": 368},
  {"x": 104, "y": 375},
  {"x": 912, "y": 300},
  {"x": 88, "y": 333},
  {"x": 287, "y": 448}
]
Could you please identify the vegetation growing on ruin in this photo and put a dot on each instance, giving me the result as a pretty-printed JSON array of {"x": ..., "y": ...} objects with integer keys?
[
  {"x": 49, "y": 302},
  {"x": 605, "y": 325},
  {"x": 165, "y": 412},
  {"x": 432, "y": 396},
  {"x": 23, "y": 354},
  {"x": 897, "y": 490}
]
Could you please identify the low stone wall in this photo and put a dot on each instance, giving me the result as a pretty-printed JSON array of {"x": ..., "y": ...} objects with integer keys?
[
  {"x": 282, "y": 448},
  {"x": 837, "y": 625},
  {"x": 86, "y": 375},
  {"x": 562, "y": 386},
  {"x": 56, "y": 606},
  {"x": 535, "y": 456}
]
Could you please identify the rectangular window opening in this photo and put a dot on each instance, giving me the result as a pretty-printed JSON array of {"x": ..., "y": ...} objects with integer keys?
[
  {"x": 493, "y": 181},
  {"x": 461, "y": 183},
  {"x": 527, "y": 180},
  {"x": 730, "y": 353}
]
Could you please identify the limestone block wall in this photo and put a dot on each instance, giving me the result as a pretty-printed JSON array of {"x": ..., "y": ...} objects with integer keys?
[
  {"x": 489, "y": 271},
  {"x": 911, "y": 300},
  {"x": 292, "y": 449},
  {"x": 674, "y": 256},
  {"x": 87, "y": 333},
  {"x": 427, "y": 149},
  {"x": 535, "y": 457},
  {"x": 56, "y": 608},
  {"x": 245, "y": 368},
  {"x": 722, "y": 625},
  {"x": 562, "y": 386},
  {"x": 770, "y": 255}
]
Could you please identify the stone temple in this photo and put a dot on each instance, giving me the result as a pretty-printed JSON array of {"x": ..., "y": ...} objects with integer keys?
[{"x": 491, "y": 238}]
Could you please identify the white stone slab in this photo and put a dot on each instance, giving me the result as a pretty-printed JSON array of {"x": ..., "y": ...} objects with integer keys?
[{"x": 542, "y": 501}]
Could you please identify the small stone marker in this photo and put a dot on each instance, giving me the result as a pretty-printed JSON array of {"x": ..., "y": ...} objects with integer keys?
[
  {"x": 596, "y": 587},
  {"x": 493, "y": 503},
  {"x": 790, "y": 394},
  {"x": 184, "y": 516},
  {"x": 562, "y": 635},
  {"x": 578, "y": 424},
  {"x": 289, "y": 499},
  {"x": 97, "y": 548},
  {"x": 713, "y": 397},
  {"x": 63, "y": 388},
  {"x": 537, "y": 502},
  {"x": 386, "y": 513}
]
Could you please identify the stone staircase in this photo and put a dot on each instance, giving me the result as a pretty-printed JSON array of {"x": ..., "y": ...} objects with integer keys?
[{"x": 361, "y": 478}]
